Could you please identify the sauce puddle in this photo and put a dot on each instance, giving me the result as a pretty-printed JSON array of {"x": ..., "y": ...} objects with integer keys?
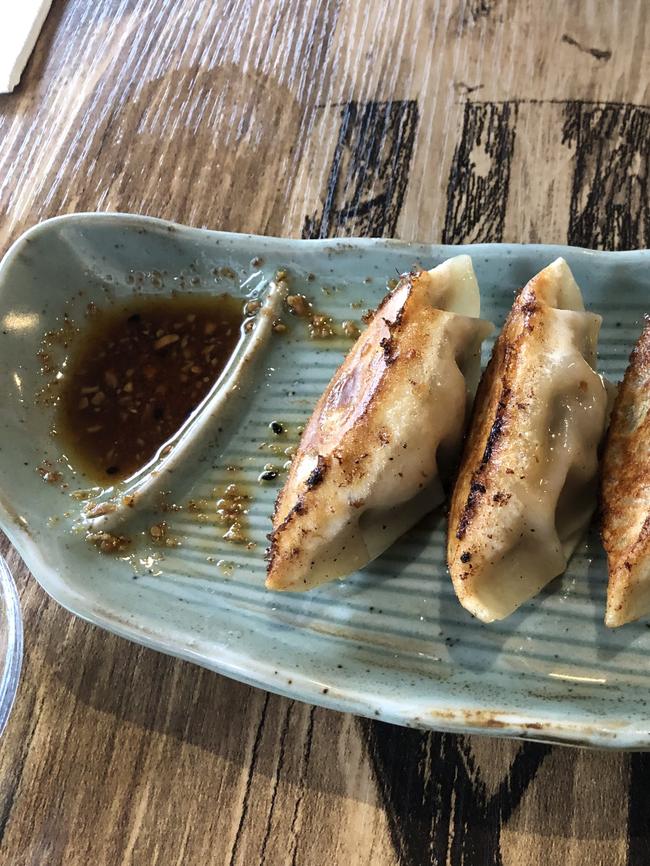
[{"x": 137, "y": 372}]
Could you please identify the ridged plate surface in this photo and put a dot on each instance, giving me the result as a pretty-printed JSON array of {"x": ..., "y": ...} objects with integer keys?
[{"x": 391, "y": 641}]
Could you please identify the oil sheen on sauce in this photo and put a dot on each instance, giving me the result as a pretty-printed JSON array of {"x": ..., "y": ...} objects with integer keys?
[{"x": 138, "y": 371}]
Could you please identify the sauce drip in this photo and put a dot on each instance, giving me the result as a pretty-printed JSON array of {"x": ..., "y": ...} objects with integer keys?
[{"x": 137, "y": 372}]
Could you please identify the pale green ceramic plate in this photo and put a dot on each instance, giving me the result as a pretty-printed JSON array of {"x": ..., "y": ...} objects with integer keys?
[{"x": 391, "y": 641}]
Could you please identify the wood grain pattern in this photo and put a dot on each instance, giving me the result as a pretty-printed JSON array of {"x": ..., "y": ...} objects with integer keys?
[{"x": 464, "y": 119}]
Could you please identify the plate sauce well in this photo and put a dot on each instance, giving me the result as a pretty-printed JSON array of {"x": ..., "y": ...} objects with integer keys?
[{"x": 138, "y": 371}]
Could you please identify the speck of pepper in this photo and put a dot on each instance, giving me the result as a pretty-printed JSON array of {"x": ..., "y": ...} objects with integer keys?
[
  {"x": 268, "y": 475},
  {"x": 277, "y": 428},
  {"x": 465, "y": 556}
]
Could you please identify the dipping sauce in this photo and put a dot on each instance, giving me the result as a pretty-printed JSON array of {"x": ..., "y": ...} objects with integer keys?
[{"x": 138, "y": 371}]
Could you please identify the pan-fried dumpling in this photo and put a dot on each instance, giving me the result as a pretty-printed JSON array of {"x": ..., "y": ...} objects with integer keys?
[
  {"x": 389, "y": 422},
  {"x": 626, "y": 492},
  {"x": 526, "y": 488}
]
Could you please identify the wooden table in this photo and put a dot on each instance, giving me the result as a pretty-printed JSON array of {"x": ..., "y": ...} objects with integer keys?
[{"x": 483, "y": 120}]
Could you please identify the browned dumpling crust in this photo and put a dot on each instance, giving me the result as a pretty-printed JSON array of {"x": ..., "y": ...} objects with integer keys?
[
  {"x": 625, "y": 492},
  {"x": 526, "y": 488},
  {"x": 368, "y": 465}
]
